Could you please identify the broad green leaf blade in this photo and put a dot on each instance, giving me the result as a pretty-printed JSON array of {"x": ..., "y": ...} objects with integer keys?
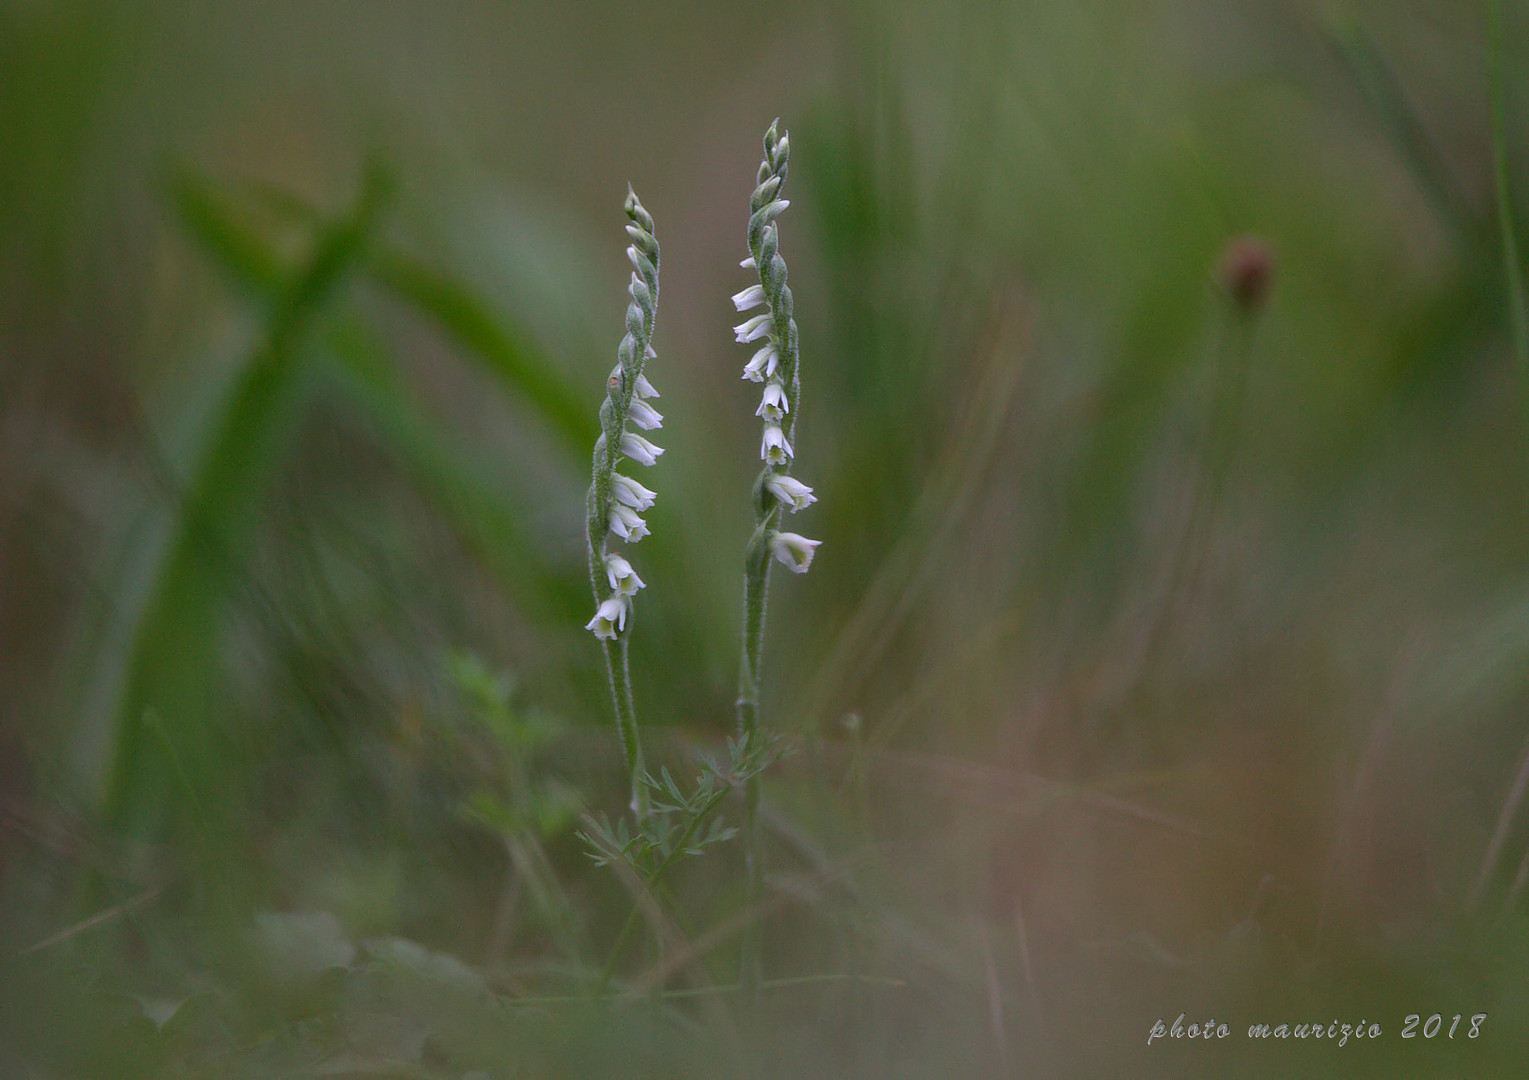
[
  {"x": 510, "y": 360},
  {"x": 171, "y": 671},
  {"x": 214, "y": 222},
  {"x": 444, "y": 299},
  {"x": 446, "y": 476},
  {"x": 372, "y": 382}
]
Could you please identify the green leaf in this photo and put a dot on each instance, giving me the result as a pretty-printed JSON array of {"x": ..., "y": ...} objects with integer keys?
[
  {"x": 173, "y": 646},
  {"x": 452, "y": 305},
  {"x": 500, "y": 350},
  {"x": 455, "y": 483}
]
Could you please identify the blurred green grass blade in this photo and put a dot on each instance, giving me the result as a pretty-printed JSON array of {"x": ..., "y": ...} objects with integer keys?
[
  {"x": 447, "y": 301},
  {"x": 174, "y": 651},
  {"x": 213, "y": 220},
  {"x": 371, "y": 381},
  {"x": 448, "y": 479},
  {"x": 1513, "y": 271},
  {"x": 470, "y": 322},
  {"x": 1385, "y": 94}
]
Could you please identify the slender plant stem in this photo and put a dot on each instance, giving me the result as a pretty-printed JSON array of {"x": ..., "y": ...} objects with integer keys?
[
  {"x": 543, "y": 1000},
  {"x": 1190, "y": 546},
  {"x": 626, "y": 722},
  {"x": 756, "y": 584},
  {"x": 652, "y": 879},
  {"x": 1504, "y": 827},
  {"x": 1518, "y": 321},
  {"x": 1513, "y": 273}
]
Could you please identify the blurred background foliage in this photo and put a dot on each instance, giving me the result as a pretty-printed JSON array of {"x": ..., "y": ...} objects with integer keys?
[{"x": 1168, "y": 649}]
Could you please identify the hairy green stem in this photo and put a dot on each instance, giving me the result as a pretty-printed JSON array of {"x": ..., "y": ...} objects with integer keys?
[
  {"x": 756, "y": 583},
  {"x": 626, "y": 722}
]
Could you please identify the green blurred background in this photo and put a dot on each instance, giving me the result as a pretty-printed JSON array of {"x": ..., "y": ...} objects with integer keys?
[{"x": 1168, "y": 647}]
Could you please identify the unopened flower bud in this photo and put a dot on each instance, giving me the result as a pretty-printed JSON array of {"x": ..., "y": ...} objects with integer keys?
[{"x": 1246, "y": 272}]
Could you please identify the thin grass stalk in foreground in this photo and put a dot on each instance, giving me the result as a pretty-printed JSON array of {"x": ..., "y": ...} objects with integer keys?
[
  {"x": 614, "y": 500},
  {"x": 1519, "y": 324},
  {"x": 1512, "y": 270},
  {"x": 774, "y": 365}
]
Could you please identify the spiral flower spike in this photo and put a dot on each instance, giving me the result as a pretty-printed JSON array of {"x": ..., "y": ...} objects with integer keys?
[
  {"x": 775, "y": 364},
  {"x": 614, "y": 499}
]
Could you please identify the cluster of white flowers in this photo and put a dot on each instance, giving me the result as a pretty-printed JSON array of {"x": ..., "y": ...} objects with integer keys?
[
  {"x": 774, "y": 363},
  {"x": 627, "y": 499},
  {"x": 628, "y": 394},
  {"x": 612, "y": 614}
]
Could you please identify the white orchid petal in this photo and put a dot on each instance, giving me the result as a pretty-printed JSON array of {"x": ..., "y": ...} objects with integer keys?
[
  {"x": 793, "y": 550},
  {"x": 774, "y": 448},
  {"x": 622, "y": 577},
  {"x": 763, "y": 364},
  {"x": 629, "y": 492},
  {"x": 773, "y": 406},
  {"x": 791, "y": 491},
  {"x": 643, "y": 415},
  {"x": 639, "y": 449},
  {"x": 625, "y": 523},
  {"x": 754, "y": 329},
  {"x": 749, "y": 298},
  {"x": 610, "y": 618}
]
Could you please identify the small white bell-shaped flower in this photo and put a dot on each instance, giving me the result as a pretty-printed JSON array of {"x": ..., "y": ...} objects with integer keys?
[
  {"x": 622, "y": 577},
  {"x": 628, "y": 491},
  {"x": 625, "y": 523},
  {"x": 774, "y": 405},
  {"x": 763, "y": 364},
  {"x": 610, "y": 618},
  {"x": 791, "y": 491},
  {"x": 754, "y": 329},
  {"x": 643, "y": 415},
  {"x": 774, "y": 448},
  {"x": 793, "y": 550},
  {"x": 639, "y": 449}
]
